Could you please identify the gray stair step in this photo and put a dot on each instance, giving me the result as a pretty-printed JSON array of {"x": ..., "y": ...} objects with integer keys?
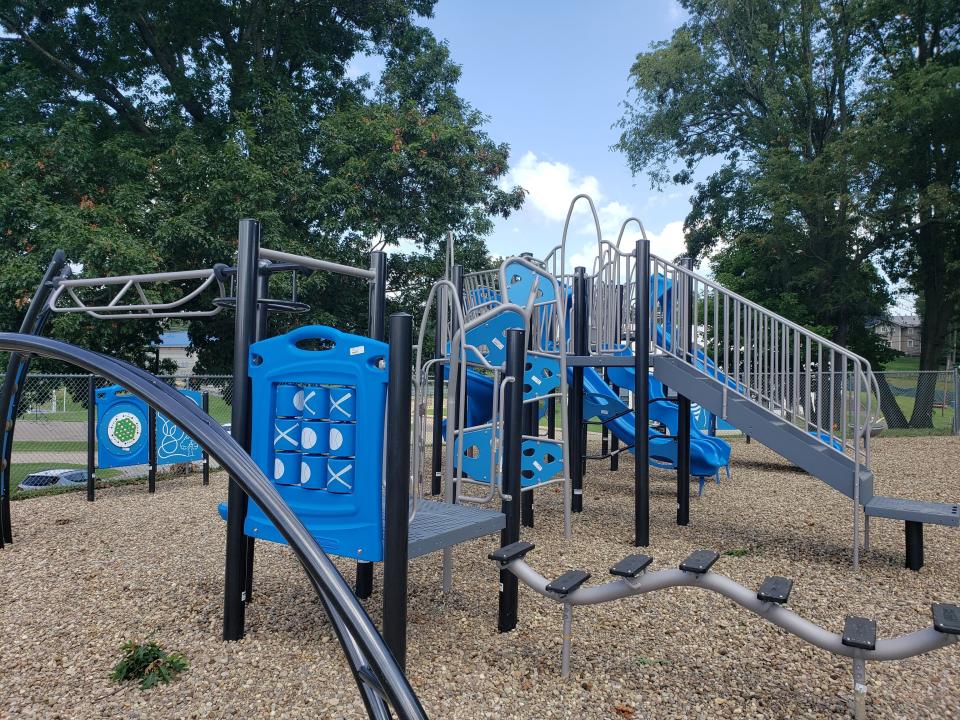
[
  {"x": 784, "y": 438},
  {"x": 438, "y": 525},
  {"x": 914, "y": 510}
]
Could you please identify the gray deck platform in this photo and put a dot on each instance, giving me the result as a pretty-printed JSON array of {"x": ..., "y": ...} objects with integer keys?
[
  {"x": 438, "y": 525},
  {"x": 913, "y": 510}
]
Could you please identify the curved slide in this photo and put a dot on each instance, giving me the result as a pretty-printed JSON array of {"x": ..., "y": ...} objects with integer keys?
[{"x": 707, "y": 455}]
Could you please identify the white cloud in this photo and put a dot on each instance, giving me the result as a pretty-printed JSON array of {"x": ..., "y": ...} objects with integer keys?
[{"x": 551, "y": 185}]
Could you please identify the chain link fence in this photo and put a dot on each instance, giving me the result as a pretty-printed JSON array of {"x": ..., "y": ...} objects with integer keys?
[
  {"x": 920, "y": 402},
  {"x": 52, "y": 429}
]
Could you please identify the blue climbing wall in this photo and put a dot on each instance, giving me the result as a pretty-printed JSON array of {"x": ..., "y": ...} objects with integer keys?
[
  {"x": 318, "y": 427},
  {"x": 122, "y": 432}
]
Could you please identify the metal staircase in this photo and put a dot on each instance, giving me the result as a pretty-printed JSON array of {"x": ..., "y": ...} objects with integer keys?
[{"x": 803, "y": 396}]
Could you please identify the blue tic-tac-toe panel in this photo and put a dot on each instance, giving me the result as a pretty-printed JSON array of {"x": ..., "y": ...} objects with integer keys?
[{"x": 312, "y": 402}]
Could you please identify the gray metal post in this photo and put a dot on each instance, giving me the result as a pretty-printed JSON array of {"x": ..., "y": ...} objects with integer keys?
[
  {"x": 240, "y": 418},
  {"x": 397, "y": 491},
  {"x": 956, "y": 400}
]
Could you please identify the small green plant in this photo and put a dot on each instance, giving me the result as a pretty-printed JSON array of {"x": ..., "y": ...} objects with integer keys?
[
  {"x": 651, "y": 661},
  {"x": 737, "y": 552},
  {"x": 149, "y": 663}
]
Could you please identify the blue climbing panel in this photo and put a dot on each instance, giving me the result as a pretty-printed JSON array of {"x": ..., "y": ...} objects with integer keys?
[
  {"x": 518, "y": 280},
  {"x": 490, "y": 336},
  {"x": 473, "y": 452},
  {"x": 318, "y": 397},
  {"x": 122, "y": 432},
  {"x": 541, "y": 376},
  {"x": 541, "y": 461}
]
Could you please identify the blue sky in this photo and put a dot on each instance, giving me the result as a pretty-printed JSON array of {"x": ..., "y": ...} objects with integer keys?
[{"x": 551, "y": 77}]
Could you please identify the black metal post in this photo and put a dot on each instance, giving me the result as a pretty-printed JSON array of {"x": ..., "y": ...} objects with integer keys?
[
  {"x": 552, "y": 418},
  {"x": 248, "y": 250},
  {"x": 91, "y": 437},
  {"x": 17, "y": 367},
  {"x": 604, "y": 432},
  {"x": 683, "y": 404},
  {"x": 376, "y": 316},
  {"x": 396, "y": 501},
  {"x": 508, "y": 602},
  {"x": 262, "y": 332},
  {"x": 641, "y": 395},
  {"x": 575, "y": 397},
  {"x": 615, "y": 443},
  {"x": 914, "y": 544},
  {"x": 151, "y": 450},
  {"x": 205, "y": 406}
]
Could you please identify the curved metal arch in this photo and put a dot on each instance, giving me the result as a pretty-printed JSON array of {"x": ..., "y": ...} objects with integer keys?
[{"x": 378, "y": 676}]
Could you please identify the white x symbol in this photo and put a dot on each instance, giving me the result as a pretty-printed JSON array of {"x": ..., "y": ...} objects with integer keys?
[
  {"x": 336, "y": 477},
  {"x": 307, "y": 399},
  {"x": 336, "y": 403},
  {"x": 285, "y": 435}
]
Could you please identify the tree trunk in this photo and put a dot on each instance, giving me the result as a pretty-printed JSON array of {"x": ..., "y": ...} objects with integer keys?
[
  {"x": 888, "y": 404},
  {"x": 935, "y": 322}
]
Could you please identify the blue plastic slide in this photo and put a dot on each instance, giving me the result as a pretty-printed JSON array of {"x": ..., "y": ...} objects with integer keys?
[{"x": 707, "y": 455}]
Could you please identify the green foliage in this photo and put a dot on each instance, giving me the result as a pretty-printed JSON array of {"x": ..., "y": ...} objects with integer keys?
[
  {"x": 149, "y": 663},
  {"x": 816, "y": 122},
  {"x": 738, "y": 552},
  {"x": 136, "y": 135}
]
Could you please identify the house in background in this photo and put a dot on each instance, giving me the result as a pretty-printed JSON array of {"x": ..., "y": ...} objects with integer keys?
[
  {"x": 174, "y": 346},
  {"x": 901, "y": 332}
]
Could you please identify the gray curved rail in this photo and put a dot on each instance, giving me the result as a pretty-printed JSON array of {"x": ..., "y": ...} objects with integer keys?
[
  {"x": 898, "y": 648},
  {"x": 378, "y": 676}
]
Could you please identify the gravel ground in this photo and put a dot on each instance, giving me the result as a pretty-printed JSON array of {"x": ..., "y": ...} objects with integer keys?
[{"x": 83, "y": 578}]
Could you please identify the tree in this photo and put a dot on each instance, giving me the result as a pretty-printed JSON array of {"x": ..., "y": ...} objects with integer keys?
[
  {"x": 770, "y": 90},
  {"x": 137, "y": 134},
  {"x": 911, "y": 120}
]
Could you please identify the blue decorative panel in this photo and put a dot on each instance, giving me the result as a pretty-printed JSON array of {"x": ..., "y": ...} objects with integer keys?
[
  {"x": 519, "y": 280},
  {"x": 122, "y": 432},
  {"x": 541, "y": 461},
  {"x": 490, "y": 336},
  {"x": 541, "y": 376}
]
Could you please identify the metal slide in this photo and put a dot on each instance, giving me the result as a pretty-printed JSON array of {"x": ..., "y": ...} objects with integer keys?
[{"x": 380, "y": 679}]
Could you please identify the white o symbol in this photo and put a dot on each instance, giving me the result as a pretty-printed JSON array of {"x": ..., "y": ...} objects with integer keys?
[
  {"x": 308, "y": 439},
  {"x": 277, "y": 468},
  {"x": 298, "y": 400},
  {"x": 336, "y": 439},
  {"x": 304, "y": 473}
]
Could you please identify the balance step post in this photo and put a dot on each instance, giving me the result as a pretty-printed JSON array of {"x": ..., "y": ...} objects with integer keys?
[
  {"x": 860, "y": 633},
  {"x": 631, "y": 566},
  {"x": 508, "y": 553},
  {"x": 775, "y": 589},
  {"x": 568, "y": 582},
  {"x": 946, "y": 618},
  {"x": 699, "y": 561}
]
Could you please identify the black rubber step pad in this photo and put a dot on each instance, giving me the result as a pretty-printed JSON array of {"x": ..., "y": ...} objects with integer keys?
[
  {"x": 631, "y": 566},
  {"x": 859, "y": 633},
  {"x": 568, "y": 582},
  {"x": 946, "y": 618},
  {"x": 775, "y": 589},
  {"x": 511, "y": 552},
  {"x": 699, "y": 561}
]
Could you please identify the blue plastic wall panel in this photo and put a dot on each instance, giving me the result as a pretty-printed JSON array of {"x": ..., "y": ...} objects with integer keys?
[
  {"x": 541, "y": 376},
  {"x": 541, "y": 460},
  {"x": 490, "y": 336},
  {"x": 473, "y": 452},
  {"x": 519, "y": 282},
  {"x": 484, "y": 296},
  {"x": 122, "y": 432},
  {"x": 318, "y": 433}
]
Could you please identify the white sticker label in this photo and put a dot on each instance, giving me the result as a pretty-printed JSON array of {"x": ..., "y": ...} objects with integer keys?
[
  {"x": 496, "y": 341},
  {"x": 578, "y": 492},
  {"x": 357, "y": 350},
  {"x": 538, "y": 466},
  {"x": 536, "y": 380}
]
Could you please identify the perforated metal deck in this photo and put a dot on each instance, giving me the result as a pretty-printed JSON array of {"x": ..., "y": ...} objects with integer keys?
[
  {"x": 439, "y": 525},
  {"x": 914, "y": 510}
]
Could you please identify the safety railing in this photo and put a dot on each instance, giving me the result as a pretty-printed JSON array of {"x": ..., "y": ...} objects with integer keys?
[{"x": 819, "y": 386}]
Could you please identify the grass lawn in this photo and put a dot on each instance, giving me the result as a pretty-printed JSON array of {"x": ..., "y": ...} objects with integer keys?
[
  {"x": 50, "y": 446},
  {"x": 903, "y": 364}
]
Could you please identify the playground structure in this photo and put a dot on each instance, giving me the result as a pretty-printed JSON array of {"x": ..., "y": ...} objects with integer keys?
[{"x": 514, "y": 345}]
